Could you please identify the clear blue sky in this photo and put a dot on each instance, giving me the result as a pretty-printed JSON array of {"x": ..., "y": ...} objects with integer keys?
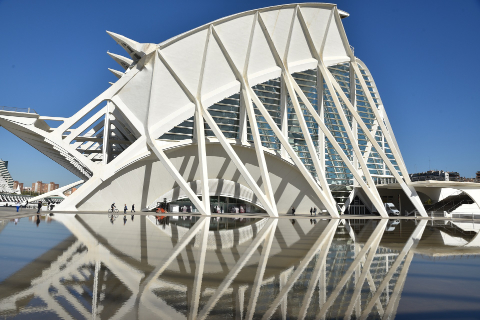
[{"x": 424, "y": 57}]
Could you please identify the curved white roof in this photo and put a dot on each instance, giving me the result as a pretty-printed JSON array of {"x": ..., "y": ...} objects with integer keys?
[{"x": 209, "y": 63}]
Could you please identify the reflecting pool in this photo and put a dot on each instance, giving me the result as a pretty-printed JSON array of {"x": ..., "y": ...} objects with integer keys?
[{"x": 189, "y": 267}]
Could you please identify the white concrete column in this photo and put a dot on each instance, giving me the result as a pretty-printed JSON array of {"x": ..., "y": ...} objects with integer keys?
[
  {"x": 242, "y": 125},
  {"x": 321, "y": 113},
  {"x": 283, "y": 115},
  {"x": 353, "y": 101},
  {"x": 106, "y": 135}
]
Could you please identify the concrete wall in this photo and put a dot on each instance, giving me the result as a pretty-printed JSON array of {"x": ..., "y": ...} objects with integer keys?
[{"x": 143, "y": 182}]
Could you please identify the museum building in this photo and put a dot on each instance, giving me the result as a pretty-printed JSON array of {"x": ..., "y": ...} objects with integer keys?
[{"x": 264, "y": 111}]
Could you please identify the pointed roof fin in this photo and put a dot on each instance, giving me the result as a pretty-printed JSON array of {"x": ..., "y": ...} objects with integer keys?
[
  {"x": 132, "y": 47},
  {"x": 121, "y": 60},
  {"x": 118, "y": 74},
  {"x": 111, "y": 83}
]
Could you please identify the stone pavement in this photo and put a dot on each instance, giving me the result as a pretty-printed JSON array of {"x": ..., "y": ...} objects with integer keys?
[{"x": 11, "y": 212}]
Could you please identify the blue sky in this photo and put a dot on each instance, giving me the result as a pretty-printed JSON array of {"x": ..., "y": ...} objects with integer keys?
[{"x": 423, "y": 56}]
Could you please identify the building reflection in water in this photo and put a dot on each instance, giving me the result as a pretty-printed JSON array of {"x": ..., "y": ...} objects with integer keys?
[{"x": 199, "y": 268}]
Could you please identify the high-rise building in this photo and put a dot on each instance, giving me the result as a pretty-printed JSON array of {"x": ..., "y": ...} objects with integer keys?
[
  {"x": 17, "y": 184},
  {"x": 37, "y": 186},
  {"x": 41, "y": 187}
]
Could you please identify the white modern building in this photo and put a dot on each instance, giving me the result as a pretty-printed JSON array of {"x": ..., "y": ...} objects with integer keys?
[
  {"x": 6, "y": 181},
  {"x": 263, "y": 111}
]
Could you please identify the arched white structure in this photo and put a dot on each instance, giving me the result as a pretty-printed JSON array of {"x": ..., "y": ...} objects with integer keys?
[
  {"x": 270, "y": 90},
  {"x": 57, "y": 192}
]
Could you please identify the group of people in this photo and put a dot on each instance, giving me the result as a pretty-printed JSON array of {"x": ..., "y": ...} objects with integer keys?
[
  {"x": 19, "y": 205},
  {"x": 125, "y": 208},
  {"x": 313, "y": 211}
]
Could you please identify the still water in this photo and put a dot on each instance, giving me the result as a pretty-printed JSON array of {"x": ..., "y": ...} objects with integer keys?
[{"x": 138, "y": 267}]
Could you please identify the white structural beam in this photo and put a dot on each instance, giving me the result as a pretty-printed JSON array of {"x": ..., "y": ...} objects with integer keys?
[
  {"x": 370, "y": 244},
  {"x": 369, "y": 189},
  {"x": 202, "y": 156},
  {"x": 247, "y": 104},
  {"x": 184, "y": 241},
  {"x": 317, "y": 273},
  {"x": 268, "y": 227},
  {"x": 390, "y": 310},
  {"x": 409, "y": 190},
  {"x": 331, "y": 227},
  {"x": 361, "y": 279},
  {"x": 257, "y": 282},
  {"x": 259, "y": 148},
  {"x": 225, "y": 144},
  {"x": 199, "y": 270},
  {"x": 341, "y": 153},
  {"x": 200, "y": 134},
  {"x": 121, "y": 60},
  {"x": 157, "y": 149},
  {"x": 382, "y": 125},
  {"x": 57, "y": 192},
  {"x": 308, "y": 139},
  {"x": 412, "y": 242},
  {"x": 106, "y": 136},
  {"x": 324, "y": 194},
  {"x": 239, "y": 164}
]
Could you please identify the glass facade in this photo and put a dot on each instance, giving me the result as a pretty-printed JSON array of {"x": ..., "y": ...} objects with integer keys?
[{"x": 226, "y": 113}]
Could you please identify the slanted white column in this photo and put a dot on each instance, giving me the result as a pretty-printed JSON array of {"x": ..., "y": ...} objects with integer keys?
[
  {"x": 271, "y": 223},
  {"x": 242, "y": 123},
  {"x": 199, "y": 269},
  {"x": 331, "y": 227},
  {"x": 202, "y": 156},
  {"x": 361, "y": 280},
  {"x": 411, "y": 244},
  {"x": 308, "y": 139},
  {"x": 257, "y": 283},
  {"x": 353, "y": 101},
  {"x": 106, "y": 135},
  {"x": 372, "y": 240},
  {"x": 259, "y": 149},
  {"x": 316, "y": 277},
  {"x": 283, "y": 114},
  {"x": 95, "y": 289},
  {"x": 321, "y": 113}
]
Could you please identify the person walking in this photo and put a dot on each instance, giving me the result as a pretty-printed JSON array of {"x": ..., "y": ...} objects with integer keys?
[
  {"x": 39, "y": 206},
  {"x": 125, "y": 209},
  {"x": 293, "y": 210},
  {"x": 315, "y": 210},
  {"x": 18, "y": 205},
  {"x": 311, "y": 211},
  {"x": 133, "y": 208}
]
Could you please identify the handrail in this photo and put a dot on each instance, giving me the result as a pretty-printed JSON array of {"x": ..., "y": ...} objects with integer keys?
[{"x": 14, "y": 109}]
